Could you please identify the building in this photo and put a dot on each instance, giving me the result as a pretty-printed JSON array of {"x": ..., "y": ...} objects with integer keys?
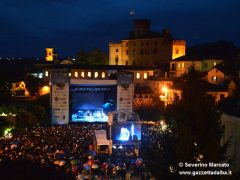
[
  {"x": 215, "y": 76},
  {"x": 167, "y": 89},
  {"x": 144, "y": 47},
  {"x": 143, "y": 96},
  {"x": 222, "y": 72},
  {"x": 180, "y": 66},
  {"x": 88, "y": 92},
  {"x": 232, "y": 133},
  {"x": 19, "y": 89},
  {"x": 233, "y": 85},
  {"x": 217, "y": 91}
]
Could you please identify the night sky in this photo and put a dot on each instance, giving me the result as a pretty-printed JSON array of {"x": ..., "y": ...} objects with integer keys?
[{"x": 28, "y": 26}]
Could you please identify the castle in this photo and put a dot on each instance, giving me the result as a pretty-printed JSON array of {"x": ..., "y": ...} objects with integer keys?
[{"x": 144, "y": 47}]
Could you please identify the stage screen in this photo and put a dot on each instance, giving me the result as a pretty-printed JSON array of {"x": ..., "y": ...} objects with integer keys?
[
  {"x": 92, "y": 103},
  {"x": 126, "y": 132}
]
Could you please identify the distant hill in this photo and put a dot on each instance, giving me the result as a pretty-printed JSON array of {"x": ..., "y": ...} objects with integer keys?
[{"x": 219, "y": 50}]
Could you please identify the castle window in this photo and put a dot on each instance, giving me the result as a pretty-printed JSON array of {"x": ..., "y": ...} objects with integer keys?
[
  {"x": 177, "y": 51},
  {"x": 146, "y": 51},
  {"x": 116, "y": 50},
  {"x": 116, "y": 60},
  {"x": 155, "y": 51},
  {"x": 138, "y": 75},
  {"x": 134, "y": 52}
]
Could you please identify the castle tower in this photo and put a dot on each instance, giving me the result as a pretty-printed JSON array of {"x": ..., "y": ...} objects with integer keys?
[
  {"x": 49, "y": 54},
  {"x": 178, "y": 48},
  {"x": 141, "y": 27}
]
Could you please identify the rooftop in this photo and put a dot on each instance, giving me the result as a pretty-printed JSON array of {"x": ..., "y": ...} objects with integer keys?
[{"x": 143, "y": 90}]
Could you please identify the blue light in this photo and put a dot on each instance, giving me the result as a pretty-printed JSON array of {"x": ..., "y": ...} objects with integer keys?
[
  {"x": 132, "y": 130},
  {"x": 124, "y": 134}
]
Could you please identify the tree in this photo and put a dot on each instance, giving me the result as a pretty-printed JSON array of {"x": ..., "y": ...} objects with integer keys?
[
  {"x": 40, "y": 113},
  {"x": 24, "y": 120},
  {"x": 94, "y": 57},
  {"x": 32, "y": 84},
  {"x": 5, "y": 91},
  {"x": 151, "y": 112},
  {"x": 198, "y": 129}
]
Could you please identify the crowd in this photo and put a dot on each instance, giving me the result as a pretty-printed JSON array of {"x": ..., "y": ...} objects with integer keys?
[{"x": 67, "y": 150}]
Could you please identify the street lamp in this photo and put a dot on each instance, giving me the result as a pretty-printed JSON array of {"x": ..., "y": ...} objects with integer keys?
[{"x": 164, "y": 97}]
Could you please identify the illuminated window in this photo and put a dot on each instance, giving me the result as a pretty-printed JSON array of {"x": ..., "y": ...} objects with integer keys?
[
  {"x": 96, "y": 74},
  {"x": 182, "y": 65},
  {"x": 82, "y": 74},
  {"x": 69, "y": 74},
  {"x": 138, "y": 76},
  {"x": 40, "y": 75},
  {"x": 89, "y": 74},
  {"x": 145, "y": 75},
  {"x": 103, "y": 75},
  {"x": 214, "y": 64},
  {"x": 214, "y": 78},
  {"x": 46, "y": 73},
  {"x": 76, "y": 74},
  {"x": 179, "y": 65}
]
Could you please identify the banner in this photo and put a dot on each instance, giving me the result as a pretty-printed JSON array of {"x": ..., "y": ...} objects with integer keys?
[{"x": 60, "y": 96}]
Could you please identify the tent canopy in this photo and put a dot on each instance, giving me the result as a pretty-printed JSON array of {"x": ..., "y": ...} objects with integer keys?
[{"x": 101, "y": 137}]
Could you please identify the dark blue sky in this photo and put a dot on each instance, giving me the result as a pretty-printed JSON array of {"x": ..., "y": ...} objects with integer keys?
[{"x": 28, "y": 26}]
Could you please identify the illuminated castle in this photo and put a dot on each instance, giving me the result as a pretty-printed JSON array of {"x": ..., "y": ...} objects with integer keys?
[{"x": 144, "y": 47}]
